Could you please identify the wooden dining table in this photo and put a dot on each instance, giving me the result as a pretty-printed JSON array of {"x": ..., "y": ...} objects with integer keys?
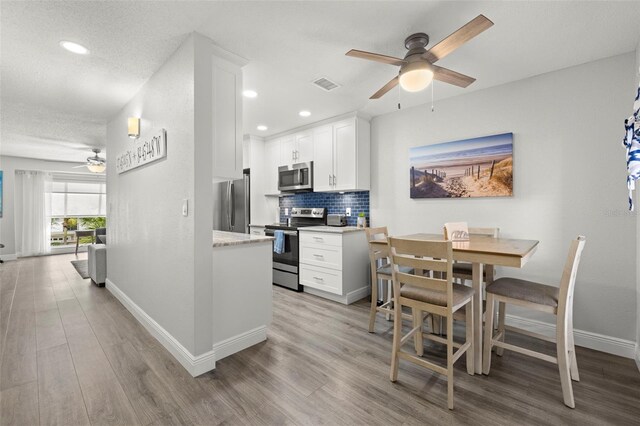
[{"x": 484, "y": 252}]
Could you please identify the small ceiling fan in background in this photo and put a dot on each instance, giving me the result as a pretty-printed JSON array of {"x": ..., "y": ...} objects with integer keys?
[
  {"x": 95, "y": 164},
  {"x": 417, "y": 69}
]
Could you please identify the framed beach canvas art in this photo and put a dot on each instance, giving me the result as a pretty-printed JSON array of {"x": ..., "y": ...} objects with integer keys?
[{"x": 478, "y": 167}]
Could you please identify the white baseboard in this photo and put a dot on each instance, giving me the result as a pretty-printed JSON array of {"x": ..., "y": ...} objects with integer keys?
[
  {"x": 8, "y": 257},
  {"x": 351, "y": 297},
  {"x": 240, "y": 342},
  {"x": 587, "y": 339},
  {"x": 195, "y": 365}
]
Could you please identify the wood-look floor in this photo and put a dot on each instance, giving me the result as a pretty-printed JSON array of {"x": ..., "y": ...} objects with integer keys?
[{"x": 73, "y": 355}]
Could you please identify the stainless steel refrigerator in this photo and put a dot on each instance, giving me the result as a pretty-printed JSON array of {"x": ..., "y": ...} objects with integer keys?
[{"x": 234, "y": 214}]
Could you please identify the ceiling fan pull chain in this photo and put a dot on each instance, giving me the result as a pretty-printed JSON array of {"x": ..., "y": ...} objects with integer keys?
[
  {"x": 432, "y": 107},
  {"x": 399, "y": 97}
]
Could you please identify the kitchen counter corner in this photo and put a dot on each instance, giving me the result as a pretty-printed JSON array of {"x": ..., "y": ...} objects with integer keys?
[
  {"x": 223, "y": 238},
  {"x": 332, "y": 229}
]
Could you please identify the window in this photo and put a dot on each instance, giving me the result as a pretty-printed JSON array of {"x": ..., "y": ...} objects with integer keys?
[{"x": 78, "y": 202}]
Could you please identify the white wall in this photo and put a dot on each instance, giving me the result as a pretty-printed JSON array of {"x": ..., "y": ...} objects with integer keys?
[
  {"x": 569, "y": 177},
  {"x": 9, "y": 165},
  {"x": 151, "y": 245}
]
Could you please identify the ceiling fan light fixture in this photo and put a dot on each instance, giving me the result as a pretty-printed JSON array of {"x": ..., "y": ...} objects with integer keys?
[
  {"x": 416, "y": 76},
  {"x": 97, "y": 167}
]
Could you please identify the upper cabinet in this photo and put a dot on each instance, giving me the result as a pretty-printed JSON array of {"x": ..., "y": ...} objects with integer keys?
[
  {"x": 218, "y": 108},
  {"x": 227, "y": 119},
  {"x": 342, "y": 156},
  {"x": 272, "y": 160},
  {"x": 339, "y": 150},
  {"x": 297, "y": 148}
]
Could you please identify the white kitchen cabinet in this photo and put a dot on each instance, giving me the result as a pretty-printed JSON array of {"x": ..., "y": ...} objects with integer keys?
[
  {"x": 323, "y": 158},
  {"x": 287, "y": 150},
  {"x": 335, "y": 265},
  {"x": 304, "y": 147},
  {"x": 342, "y": 156},
  {"x": 226, "y": 118},
  {"x": 297, "y": 148},
  {"x": 272, "y": 161}
]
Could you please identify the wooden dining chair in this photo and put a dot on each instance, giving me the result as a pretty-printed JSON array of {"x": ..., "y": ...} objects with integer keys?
[
  {"x": 554, "y": 300},
  {"x": 380, "y": 270},
  {"x": 436, "y": 296},
  {"x": 463, "y": 270}
]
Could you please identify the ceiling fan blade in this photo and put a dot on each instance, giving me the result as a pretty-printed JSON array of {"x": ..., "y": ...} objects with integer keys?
[
  {"x": 452, "y": 77},
  {"x": 78, "y": 167},
  {"x": 474, "y": 27},
  {"x": 390, "y": 85},
  {"x": 375, "y": 57}
]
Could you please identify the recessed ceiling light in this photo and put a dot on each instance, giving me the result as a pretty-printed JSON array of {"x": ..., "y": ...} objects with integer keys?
[
  {"x": 74, "y": 47},
  {"x": 262, "y": 127},
  {"x": 249, "y": 94},
  {"x": 304, "y": 113}
]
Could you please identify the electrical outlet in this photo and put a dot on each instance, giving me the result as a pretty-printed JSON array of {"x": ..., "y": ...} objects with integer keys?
[
  {"x": 348, "y": 211},
  {"x": 286, "y": 211}
]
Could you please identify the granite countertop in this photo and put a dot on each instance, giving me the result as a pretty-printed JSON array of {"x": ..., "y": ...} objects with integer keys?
[
  {"x": 331, "y": 229},
  {"x": 223, "y": 238}
]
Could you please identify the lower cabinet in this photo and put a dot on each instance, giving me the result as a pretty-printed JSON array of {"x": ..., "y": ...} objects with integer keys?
[{"x": 335, "y": 265}]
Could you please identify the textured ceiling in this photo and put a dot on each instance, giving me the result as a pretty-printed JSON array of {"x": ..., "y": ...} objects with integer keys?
[{"x": 55, "y": 104}]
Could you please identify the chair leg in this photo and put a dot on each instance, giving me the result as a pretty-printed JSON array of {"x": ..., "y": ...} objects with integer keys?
[
  {"x": 488, "y": 334},
  {"x": 374, "y": 304},
  {"x": 397, "y": 336},
  {"x": 469, "y": 336},
  {"x": 502, "y": 308},
  {"x": 417, "y": 337},
  {"x": 573, "y": 362},
  {"x": 563, "y": 365},
  {"x": 389, "y": 297},
  {"x": 450, "y": 363}
]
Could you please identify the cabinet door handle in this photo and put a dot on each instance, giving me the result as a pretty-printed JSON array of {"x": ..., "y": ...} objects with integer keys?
[
  {"x": 334, "y": 180},
  {"x": 318, "y": 238},
  {"x": 318, "y": 256},
  {"x": 330, "y": 179},
  {"x": 318, "y": 278}
]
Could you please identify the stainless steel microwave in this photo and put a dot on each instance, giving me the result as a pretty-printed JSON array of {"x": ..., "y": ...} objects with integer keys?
[{"x": 296, "y": 177}]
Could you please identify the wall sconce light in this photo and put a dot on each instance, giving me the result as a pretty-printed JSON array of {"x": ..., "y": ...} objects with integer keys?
[{"x": 134, "y": 127}]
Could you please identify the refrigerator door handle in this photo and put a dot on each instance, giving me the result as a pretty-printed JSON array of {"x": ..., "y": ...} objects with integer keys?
[
  {"x": 228, "y": 203},
  {"x": 232, "y": 204}
]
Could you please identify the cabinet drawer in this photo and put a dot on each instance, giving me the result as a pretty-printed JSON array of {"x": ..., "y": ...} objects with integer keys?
[
  {"x": 321, "y": 255},
  {"x": 320, "y": 238},
  {"x": 328, "y": 280}
]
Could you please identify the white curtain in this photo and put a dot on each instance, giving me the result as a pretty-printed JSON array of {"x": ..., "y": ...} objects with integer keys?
[{"x": 33, "y": 213}]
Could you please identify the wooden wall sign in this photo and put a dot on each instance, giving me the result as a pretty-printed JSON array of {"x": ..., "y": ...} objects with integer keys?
[{"x": 144, "y": 151}]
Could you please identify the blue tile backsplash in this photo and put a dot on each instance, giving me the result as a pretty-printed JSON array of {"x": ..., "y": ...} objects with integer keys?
[{"x": 335, "y": 202}]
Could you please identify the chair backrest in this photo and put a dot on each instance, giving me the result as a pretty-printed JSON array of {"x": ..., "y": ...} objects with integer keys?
[
  {"x": 568, "y": 280},
  {"x": 422, "y": 255},
  {"x": 456, "y": 231},
  {"x": 377, "y": 250},
  {"x": 485, "y": 232},
  {"x": 101, "y": 231}
]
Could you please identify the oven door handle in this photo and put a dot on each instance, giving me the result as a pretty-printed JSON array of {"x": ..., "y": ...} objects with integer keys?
[{"x": 271, "y": 233}]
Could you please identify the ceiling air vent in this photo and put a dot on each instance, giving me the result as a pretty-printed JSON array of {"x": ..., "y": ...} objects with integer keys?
[{"x": 325, "y": 84}]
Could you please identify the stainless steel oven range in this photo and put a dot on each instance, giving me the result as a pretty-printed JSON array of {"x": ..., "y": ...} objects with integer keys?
[{"x": 286, "y": 265}]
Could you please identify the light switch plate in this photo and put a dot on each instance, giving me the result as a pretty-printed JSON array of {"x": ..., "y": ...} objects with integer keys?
[
  {"x": 348, "y": 211},
  {"x": 185, "y": 207}
]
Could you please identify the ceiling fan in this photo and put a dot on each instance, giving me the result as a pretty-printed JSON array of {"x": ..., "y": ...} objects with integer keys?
[
  {"x": 95, "y": 164},
  {"x": 417, "y": 69}
]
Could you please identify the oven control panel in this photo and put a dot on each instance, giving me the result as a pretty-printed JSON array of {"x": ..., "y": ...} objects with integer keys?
[{"x": 317, "y": 212}]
